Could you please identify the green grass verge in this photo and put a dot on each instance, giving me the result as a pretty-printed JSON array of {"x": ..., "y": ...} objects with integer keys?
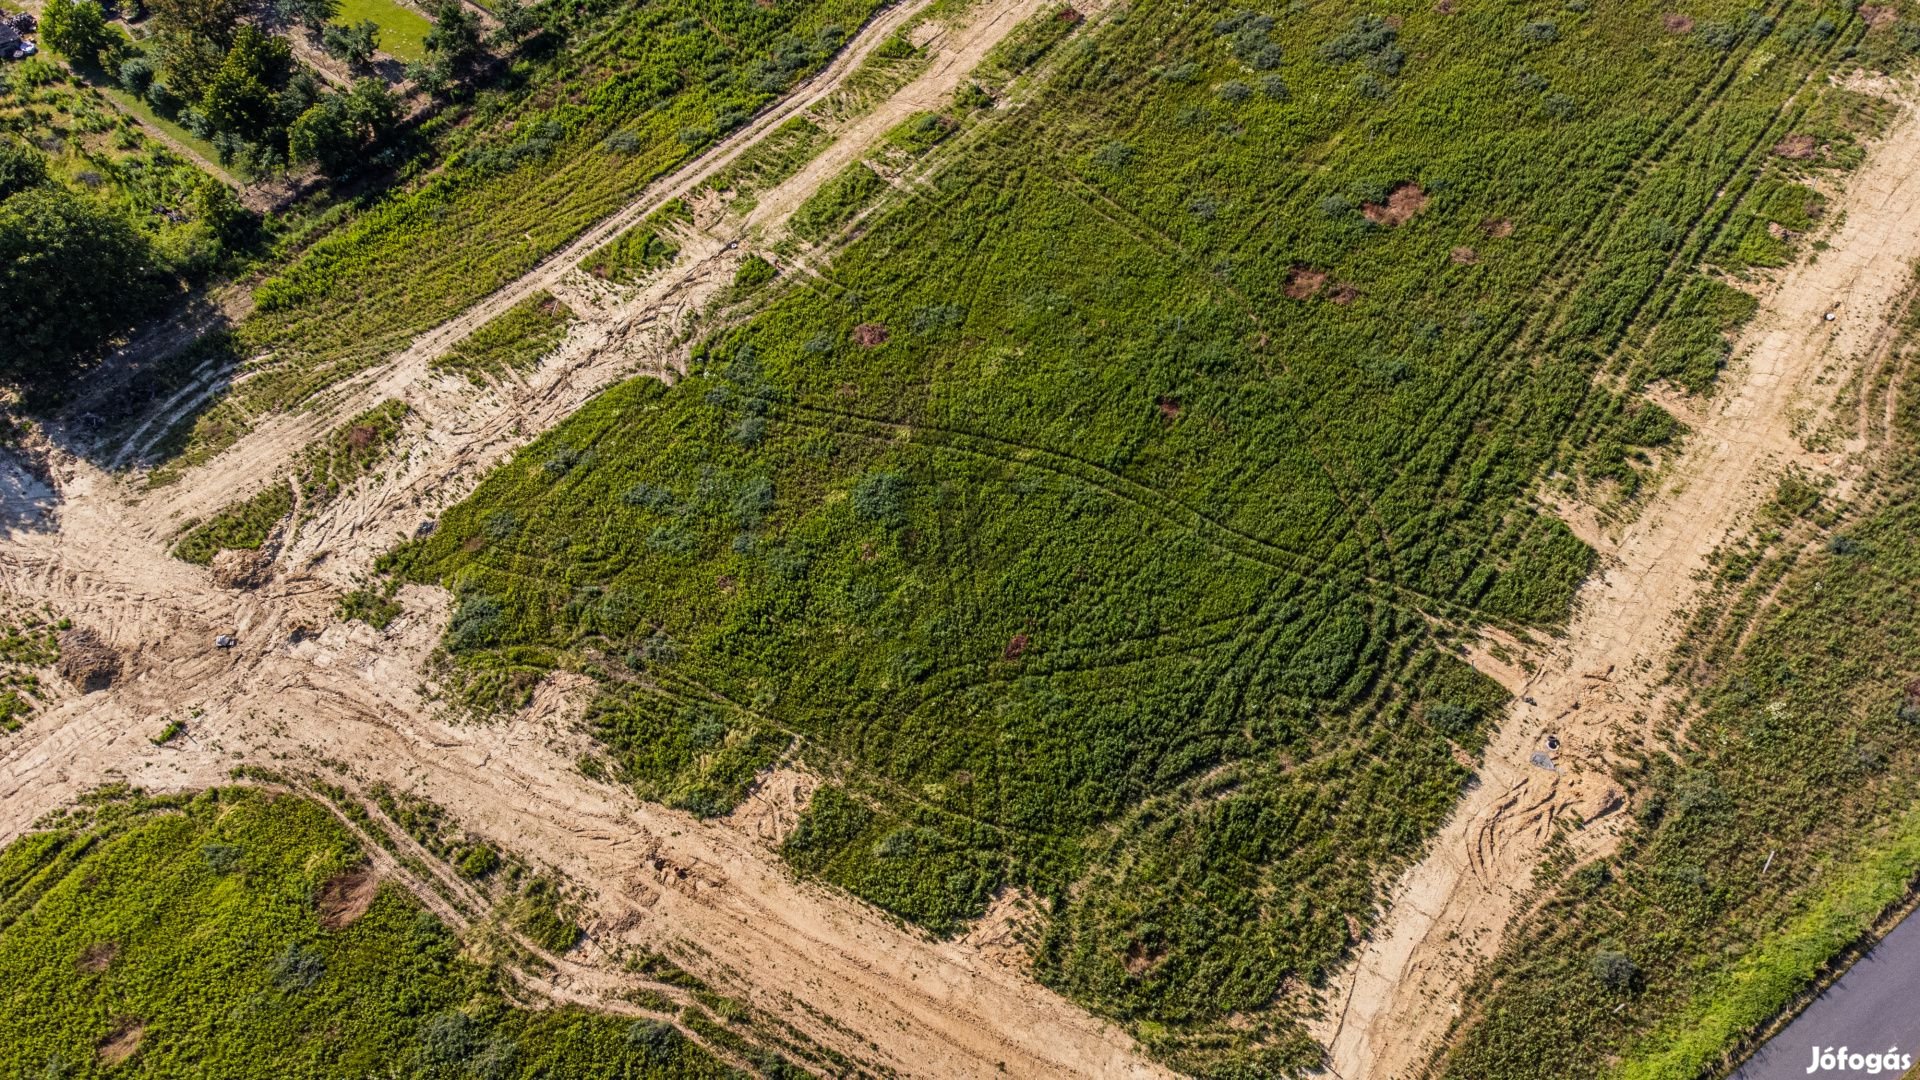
[
  {"x": 244, "y": 525},
  {"x": 520, "y": 337},
  {"x": 837, "y": 202},
  {"x": 631, "y": 256},
  {"x": 1849, "y": 898}
]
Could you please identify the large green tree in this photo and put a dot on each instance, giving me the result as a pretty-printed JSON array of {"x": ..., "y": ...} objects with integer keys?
[
  {"x": 213, "y": 20},
  {"x": 77, "y": 28},
  {"x": 241, "y": 98},
  {"x": 455, "y": 37},
  {"x": 21, "y": 167},
  {"x": 72, "y": 275}
]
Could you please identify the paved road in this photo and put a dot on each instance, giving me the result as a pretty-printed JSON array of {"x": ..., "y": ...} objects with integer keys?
[{"x": 1874, "y": 1007}]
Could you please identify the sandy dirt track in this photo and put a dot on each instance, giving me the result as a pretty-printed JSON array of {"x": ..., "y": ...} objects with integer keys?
[
  {"x": 1393, "y": 1004},
  {"x": 94, "y": 547}
]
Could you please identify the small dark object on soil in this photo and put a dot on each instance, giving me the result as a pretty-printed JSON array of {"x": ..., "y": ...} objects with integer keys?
[
  {"x": 424, "y": 528},
  {"x": 225, "y": 641}
]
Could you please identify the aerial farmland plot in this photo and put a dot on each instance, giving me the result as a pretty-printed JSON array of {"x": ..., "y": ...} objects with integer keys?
[{"x": 966, "y": 538}]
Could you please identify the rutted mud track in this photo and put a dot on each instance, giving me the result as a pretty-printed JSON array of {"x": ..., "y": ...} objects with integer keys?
[
  {"x": 349, "y": 701},
  {"x": 1605, "y": 679}
]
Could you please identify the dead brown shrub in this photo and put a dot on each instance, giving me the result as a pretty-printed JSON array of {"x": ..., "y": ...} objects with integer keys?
[{"x": 1403, "y": 203}]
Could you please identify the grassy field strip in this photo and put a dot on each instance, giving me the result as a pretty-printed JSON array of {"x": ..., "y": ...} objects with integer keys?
[
  {"x": 1850, "y": 900},
  {"x": 403, "y": 31}
]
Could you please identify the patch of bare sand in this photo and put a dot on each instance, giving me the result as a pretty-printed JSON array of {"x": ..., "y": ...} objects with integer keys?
[
  {"x": 1390, "y": 1008},
  {"x": 1007, "y": 932},
  {"x": 98, "y": 957},
  {"x": 772, "y": 809}
]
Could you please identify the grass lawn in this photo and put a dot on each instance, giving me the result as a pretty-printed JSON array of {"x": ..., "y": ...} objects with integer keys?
[{"x": 403, "y": 31}]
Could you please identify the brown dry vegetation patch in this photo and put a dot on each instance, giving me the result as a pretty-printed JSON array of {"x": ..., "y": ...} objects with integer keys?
[
  {"x": 1677, "y": 23},
  {"x": 1403, "y": 202},
  {"x": 86, "y": 660},
  {"x": 346, "y": 896},
  {"x": 1497, "y": 227},
  {"x": 98, "y": 957},
  {"x": 1070, "y": 16},
  {"x": 1169, "y": 408},
  {"x": 1877, "y": 15},
  {"x": 123, "y": 1043},
  {"x": 1798, "y": 147},
  {"x": 870, "y": 334},
  {"x": 1464, "y": 256},
  {"x": 1304, "y": 283},
  {"x": 1141, "y": 957},
  {"x": 1444, "y": 7},
  {"x": 1016, "y": 646},
  {"x": 1344, "y": 294}
]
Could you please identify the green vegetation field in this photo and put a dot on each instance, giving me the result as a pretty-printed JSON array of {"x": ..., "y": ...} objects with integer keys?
[
  {"x": 191, "y": 936},
  {"x": 403, "y": 31},
  {"x": 1103, "y": 523}
]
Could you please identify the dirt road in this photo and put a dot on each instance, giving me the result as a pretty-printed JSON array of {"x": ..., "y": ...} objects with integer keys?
[
  {"x": 1392, "y": 1005},
  {"x": 350, "y": 701}
]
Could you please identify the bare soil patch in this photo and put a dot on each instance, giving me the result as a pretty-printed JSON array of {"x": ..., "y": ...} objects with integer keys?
[
  {"x": 1463, "y": 256},
  {"x": 1497, "y": 228},
  {"x": 1877, "y": 16},
  {"x": 772, "y": 809},
  {"x": 123, "y": 1043},
  {"x": 1006, "y": 933},
  {"x": 1303, "y": 283},
  {"x": 868, "y": 335},
  {"x": 86, "y": 660},
  {"x": 346, "y": 896},
  {"x": 240, "y": 568},
  {"x": 98, "y": 957},
  {"x": 1798, "y": 147},
  {"x": 1677, "y": 23},
  {"x": 1403, "y": 203},
  {"x": 1344, "y": 294}
]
